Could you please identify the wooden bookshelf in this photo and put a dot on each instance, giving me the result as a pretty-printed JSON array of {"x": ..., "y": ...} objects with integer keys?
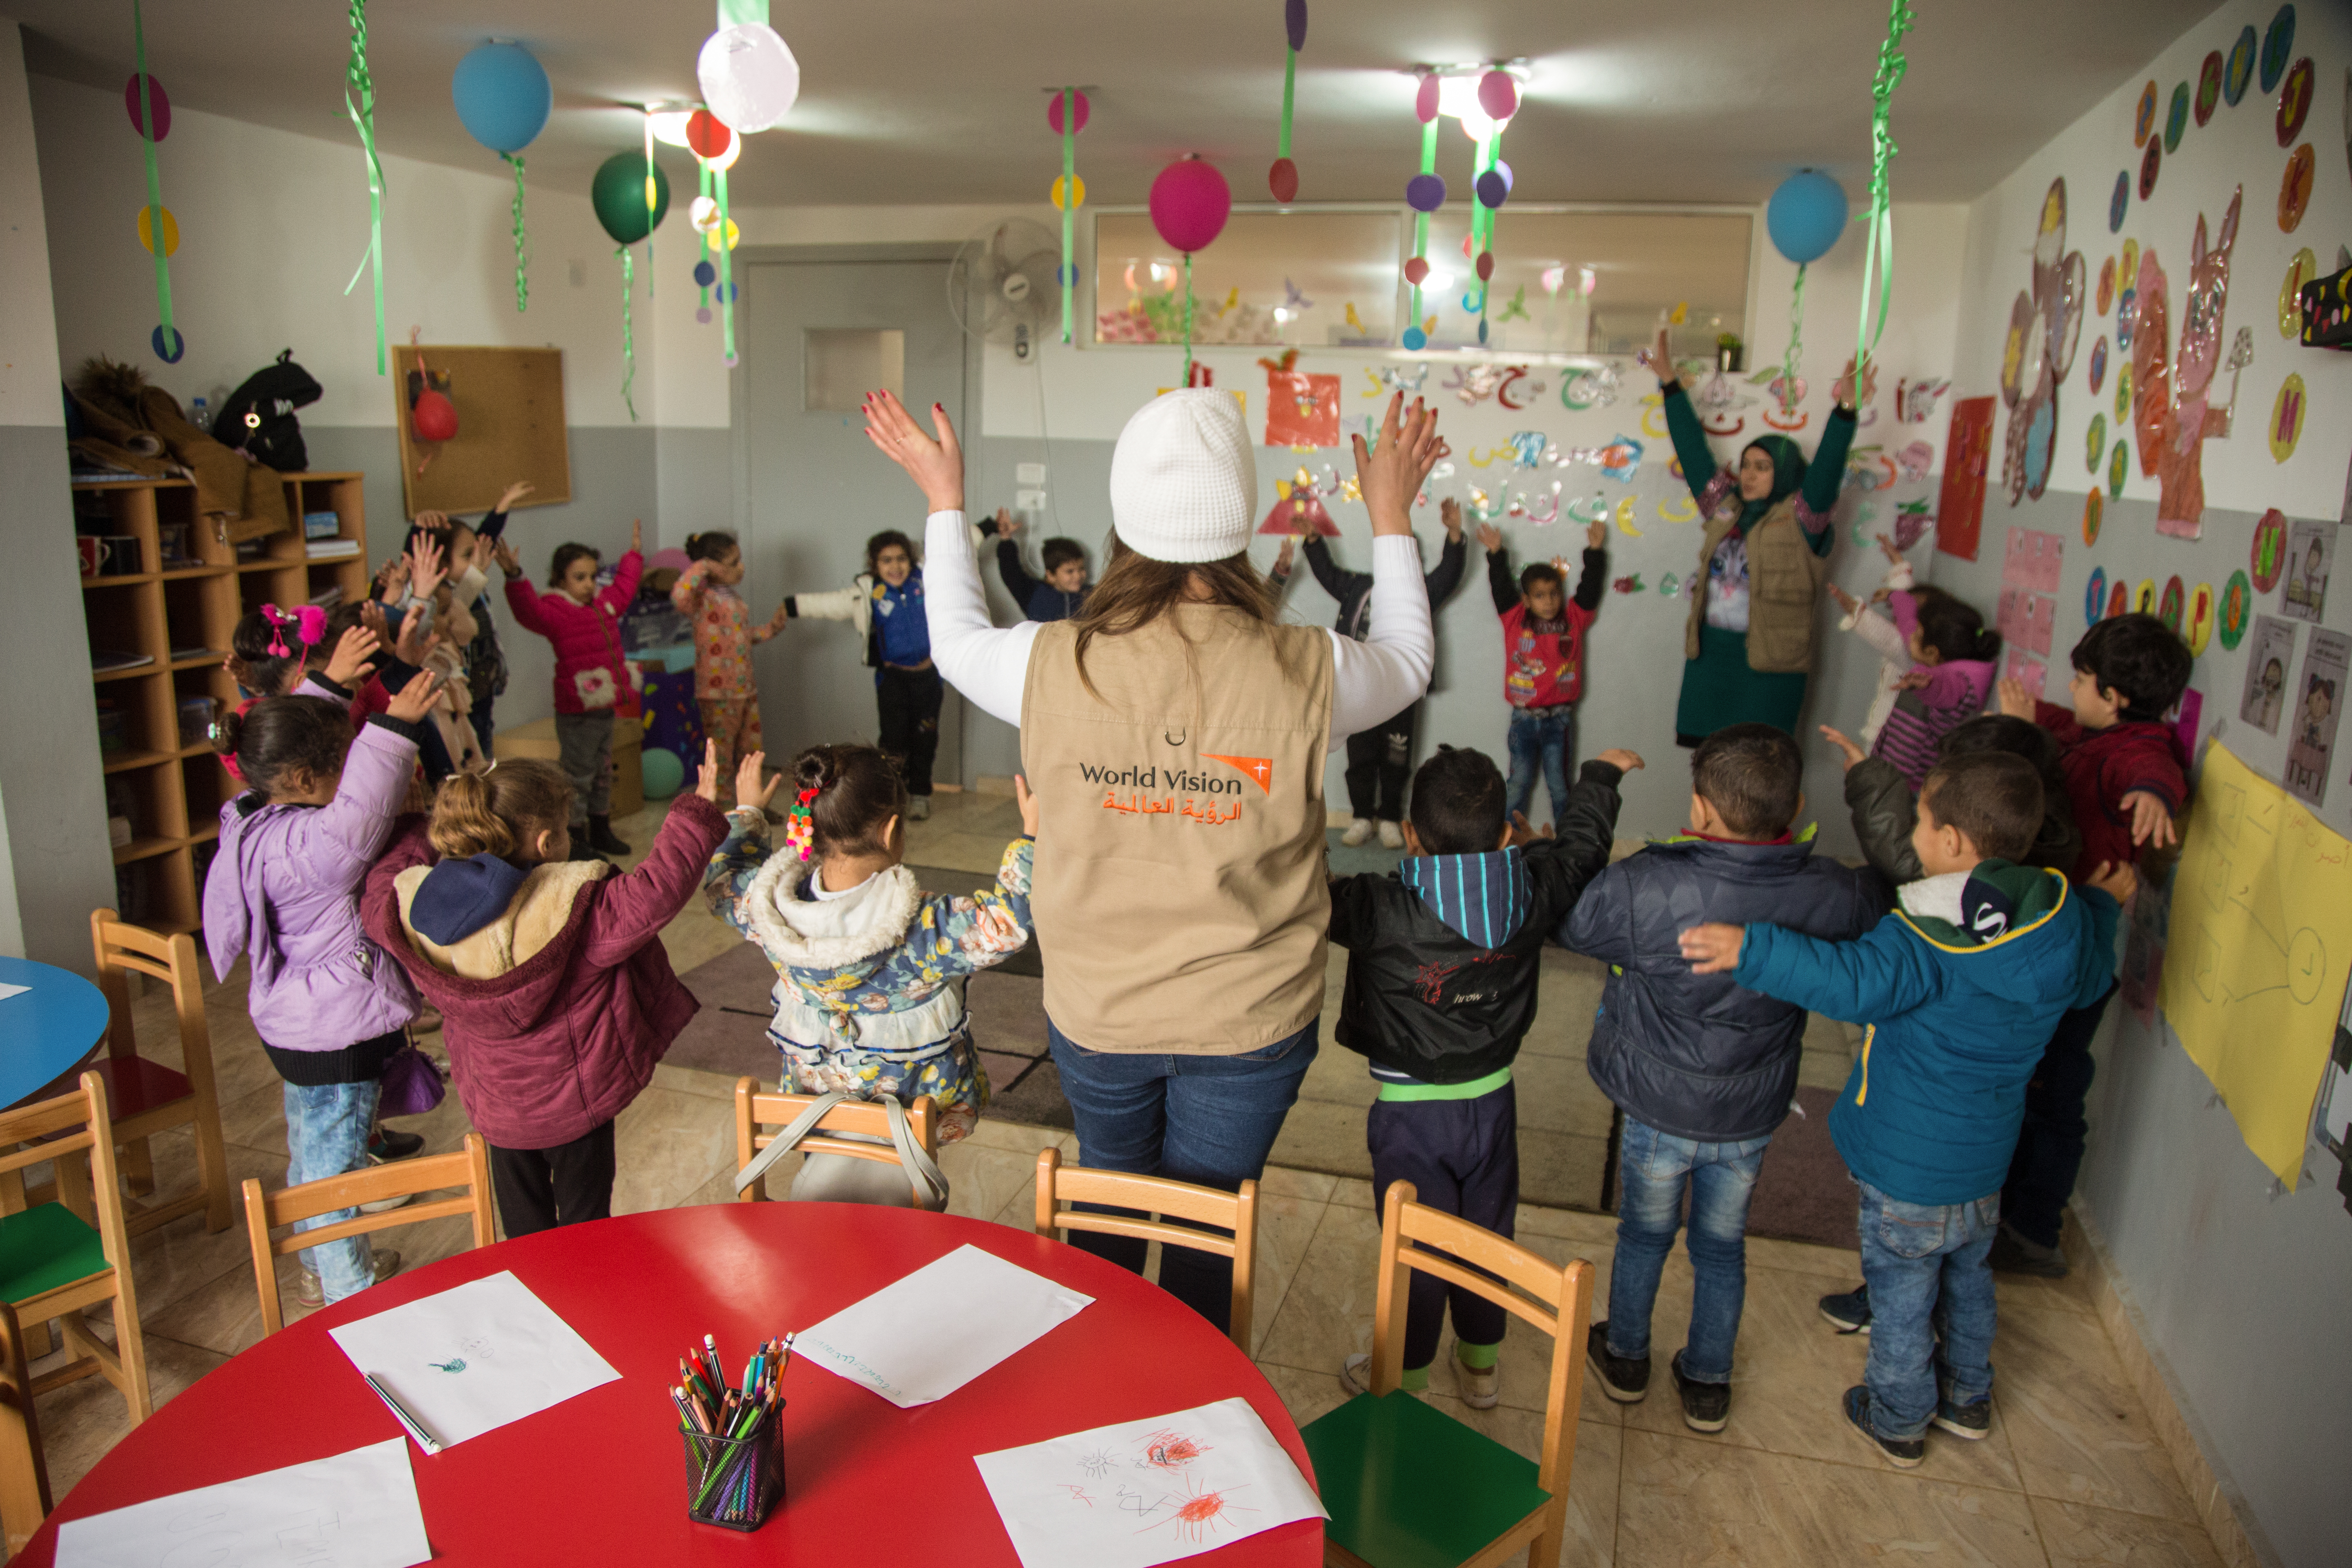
[{"x": 179, "y": 614}]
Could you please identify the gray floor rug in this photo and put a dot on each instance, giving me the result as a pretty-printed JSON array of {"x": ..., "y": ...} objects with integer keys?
[{"x": 1802, "y": 1193}]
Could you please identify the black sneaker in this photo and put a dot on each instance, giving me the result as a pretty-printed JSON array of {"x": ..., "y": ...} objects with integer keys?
[
  {"x": 1625, "y": 1379},
  {"x": 1849, "y": 1313},
  {"x": 388, "y": 1144},
  {"x": 1903, "y": 1453},
  {"x": 1973, "y": 1421},
  {"x": 1705, "y": 1405},
  {"x": 2012, "y": 1254}
]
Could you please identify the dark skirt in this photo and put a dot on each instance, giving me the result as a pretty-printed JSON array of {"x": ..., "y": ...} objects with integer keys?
[{"x": 1719, "y": 690}]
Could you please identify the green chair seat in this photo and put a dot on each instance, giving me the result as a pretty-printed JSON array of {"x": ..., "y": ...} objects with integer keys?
[
  {"x": 1410, "y": 1487},
  {"x": 44, "y": 1248}
]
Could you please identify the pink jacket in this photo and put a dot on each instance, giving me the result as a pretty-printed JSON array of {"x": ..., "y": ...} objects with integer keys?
[{"x": 589, "y": 673}]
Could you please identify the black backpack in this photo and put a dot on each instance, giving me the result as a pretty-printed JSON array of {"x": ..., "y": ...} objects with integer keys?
[{"x": 258, "y": 418}]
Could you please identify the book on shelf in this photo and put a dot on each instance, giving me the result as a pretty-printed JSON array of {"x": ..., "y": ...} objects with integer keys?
[
  {"x": 331, "y": 549},
  {"x": 104, "y": 660},
  {"x": 181, "y": 654},
  {"x": 322, "y": 524}
]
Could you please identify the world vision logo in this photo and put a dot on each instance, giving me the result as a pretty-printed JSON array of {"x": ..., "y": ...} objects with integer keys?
[{"x": 1258, "y": 768}]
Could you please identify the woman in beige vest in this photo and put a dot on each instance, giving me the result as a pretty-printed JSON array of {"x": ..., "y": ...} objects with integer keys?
[{"x": 1174, "y": 736}]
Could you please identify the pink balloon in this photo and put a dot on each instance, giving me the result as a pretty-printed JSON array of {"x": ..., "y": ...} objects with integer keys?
[
  {"x": 1499, "y": 95},
  {"x": 1053, "y": 111},
  {"x": 1190, "y": 203},
  {"x": 1424, "y": 100}
]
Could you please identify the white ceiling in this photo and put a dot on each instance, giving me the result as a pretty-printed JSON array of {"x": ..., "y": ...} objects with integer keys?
[{"x": 921, "y": 101}]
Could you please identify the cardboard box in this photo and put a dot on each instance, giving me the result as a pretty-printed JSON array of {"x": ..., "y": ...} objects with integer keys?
[{"x": 537, "y": 739}]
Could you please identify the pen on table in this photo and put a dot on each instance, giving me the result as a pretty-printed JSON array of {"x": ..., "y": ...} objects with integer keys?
[{"x": 425, "y": 1439}]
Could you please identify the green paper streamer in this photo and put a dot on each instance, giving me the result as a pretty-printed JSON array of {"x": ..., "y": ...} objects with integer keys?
[
  {"x": 356, "y": 81},
  {"x": 1878, "y": 256},
  {"x": 1421, "y": 220},
  {"x": 628, "y": 334},
  {"x": 154, "y": 179},
  {"x": 735, "y": 13},
  {"x": 1289, "y": 93},
  {"x": 726, "y": 273},
  {"x": 522, "y": 243},
  {"x": 1188, "y": 318},
  {"x": 1068, "y": 278},
  {"x": 650, "y": 207},
  {"x": 703, "y": 299},
  {"x": 1796, "y": 353}
]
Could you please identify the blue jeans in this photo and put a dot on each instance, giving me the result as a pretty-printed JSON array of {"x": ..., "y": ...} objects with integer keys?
[
  {"x": 326, "y": 1135},
  {"x": 1925, "y": 1267},
  {"x": 1541, "y": 738},
  {"x": 1654, "y": 1169},
  {"x": 1210, "y": 1120}
]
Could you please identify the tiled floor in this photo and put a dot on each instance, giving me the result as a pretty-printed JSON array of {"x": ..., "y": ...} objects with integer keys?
[{"x": 2072, "y": 1474}]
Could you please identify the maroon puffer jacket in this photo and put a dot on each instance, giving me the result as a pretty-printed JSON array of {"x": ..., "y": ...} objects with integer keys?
[
  {"x": 2102, "y": 766},
  {"x": 560, "y": 1043}
]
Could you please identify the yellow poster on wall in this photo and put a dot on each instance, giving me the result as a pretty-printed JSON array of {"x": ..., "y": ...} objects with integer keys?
[{"x": 2257, "y": 955}]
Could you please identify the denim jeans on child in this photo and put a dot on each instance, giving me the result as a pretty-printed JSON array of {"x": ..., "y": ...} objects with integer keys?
[
  {"x": 326, "y": 1135},
  {"x": 1653, "y": 1170},
  {"x": 1541, "y": 738},
  {"x": 1925, "y": 1267},
  {"x": 1210, "y": 1120}
]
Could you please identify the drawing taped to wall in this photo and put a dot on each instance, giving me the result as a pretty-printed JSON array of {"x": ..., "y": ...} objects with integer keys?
[
  {"x": 2318, "y": 703},
  {"x": 2310, "y": 553},
  {"x": 1968, "y": 452},
  {"x": 2173, "y": 414},
  {"x": 2267, "y": 663}
]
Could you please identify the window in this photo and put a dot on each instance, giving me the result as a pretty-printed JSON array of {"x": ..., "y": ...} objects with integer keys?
[{"x": 841, "y": 365}]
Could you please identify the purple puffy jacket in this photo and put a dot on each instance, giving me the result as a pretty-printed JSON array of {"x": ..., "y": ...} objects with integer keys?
[{"x": 284, "y": 890}]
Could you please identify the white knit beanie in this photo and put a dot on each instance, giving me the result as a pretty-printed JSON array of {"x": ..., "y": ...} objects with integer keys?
[{"x": 1183, "y": 485}]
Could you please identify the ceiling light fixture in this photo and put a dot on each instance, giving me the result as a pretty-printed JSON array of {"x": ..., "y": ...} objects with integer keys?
[
  {"x": 669, "y": 121},
  {"x": 1458, "y": 94}
]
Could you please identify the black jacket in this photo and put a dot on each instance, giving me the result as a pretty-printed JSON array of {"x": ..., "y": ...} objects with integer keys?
[
  {"x": 1428, "y": 1003},
  {"x": 1354, "y": 589},
  {"x": 1695, "y": 1055},
  {"x": 1039, "y": 600},
  {"x": 1885, "y": 813}
]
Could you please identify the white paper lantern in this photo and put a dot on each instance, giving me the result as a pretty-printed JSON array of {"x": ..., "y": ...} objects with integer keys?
[{"x": 749, "y": 77}]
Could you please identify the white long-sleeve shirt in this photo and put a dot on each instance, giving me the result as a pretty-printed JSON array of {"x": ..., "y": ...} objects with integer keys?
[{"x": 1371, "y": 681}]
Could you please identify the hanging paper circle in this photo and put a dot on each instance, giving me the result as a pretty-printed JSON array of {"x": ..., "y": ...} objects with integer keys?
[
  {"x": 618, "y": 194},
  {"x": 434, "y": 418},
  {"x": 705, "y": 275},
  {"x": 2270, "y": 550},
  {"x": 1054, "y": 112},
  {"x": 1424, "y": 98},
  {"x": 1499, "y": 95},
  {"x": 2208, "y": 87},
  {"x": 2117, "y": 464},
  {"x": 2119, "y": 201},
  {"x": 1426, "y": 193},
  {"x": 502, "y": 96},
  {"x": 749, "y": 77},
  {"x": 2278, "y": 46},
  {"x": 168, "y": 350},
  {"x": 724, "y": 293},
  {"x": 706, "y": 135},
  {"x": 1057, "y": 193},
  {"x": 1495, "y": 185},
  {"x": 159, "y": 100},
  {"x": 2095, "y": 443},
  {"x": 170, "y": 231},
  {"x": 1482, "y": 329},
  {"x": 1415, "y": 271},
  {"x": 2294, "y": 190},
  {"x": 1190, "y": 203},
  {"x": 734, "y": 233},
  {"x": 703, "y": 214},
  {"x": 1415, "y": 338},
  {"x": 2094, "y": 595},
  {"x": 1294, "y": 22},
  {"x": 2098, "y": 366},
  {"x": 1806, "y": 215},
  {"x": 2237, "y": 605},
  {"x": 2169, "y": 607},
  {"x": 2094, "y": 511},
  {"x": 2287, "y": 418},
  {"x": 2147, "y": 167},
  {"x": 2176, "y": 118},
  {"x": 702, "y": 315},
  {"x": 2143, "y": 599},
  {"x": 2040, "y": 438},
  {"x": 2240, "y": 70},
  {"x": 2144, "y": 116},
  {"x": 2197, "y": 626},
  {"x": 1283, "y": 181},
  {"x": 2294, "y": 102},
  {"x": 1485, "y": 265},
  {"x": 2300, "y": 270}
]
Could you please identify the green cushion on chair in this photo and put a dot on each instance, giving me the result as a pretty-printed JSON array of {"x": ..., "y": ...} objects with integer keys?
[
  {"x": 44, "y": 1248},
  {"x": 1410, "y": 1487}
]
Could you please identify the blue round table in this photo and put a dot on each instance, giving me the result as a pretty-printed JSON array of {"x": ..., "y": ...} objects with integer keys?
[{"x": 46, "y": 1029}]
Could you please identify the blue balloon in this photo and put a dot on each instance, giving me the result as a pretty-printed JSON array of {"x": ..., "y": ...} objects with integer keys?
[
  {"x": 1806, "y": 215},
  {"x": 502, "y": 95}
]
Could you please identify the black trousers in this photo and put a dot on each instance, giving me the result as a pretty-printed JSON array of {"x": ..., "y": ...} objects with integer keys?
[
  {"x": 1461, "y": 1157},
  {"x": 540, "y": 1189},
  {"x": 484, "y": 724},
  {"x": 1380, "y": 765},
  {"x": 908, "y": 701},
  {"x": 2050, "y": 1141}
]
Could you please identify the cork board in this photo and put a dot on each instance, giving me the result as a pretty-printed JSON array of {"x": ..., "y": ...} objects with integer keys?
[{"x": 511, "y": 427}]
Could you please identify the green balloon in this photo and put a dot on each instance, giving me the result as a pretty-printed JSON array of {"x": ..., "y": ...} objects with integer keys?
[{"x": 619, "y": 196}]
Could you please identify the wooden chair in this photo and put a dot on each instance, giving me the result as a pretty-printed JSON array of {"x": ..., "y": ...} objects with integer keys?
[
  {"x": 1408, "y": 1487},
  {"x": 467, "y": 1168},
  {"x": 869, "y": 1119},
  {"x": 145, "y": 1098},
  {"x": 1236, "y": 1212},
  {"x": 53, "y": 1262},
  {"x": 24, "y": 1474}
]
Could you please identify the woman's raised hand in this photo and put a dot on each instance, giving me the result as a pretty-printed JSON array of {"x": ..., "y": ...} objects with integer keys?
[
  {"x": 1661, "y": 356},
  {"x": 1852, "y": 391},
  {"x": 1391, "y": 476},
  {"x": 935, "y": 465}
]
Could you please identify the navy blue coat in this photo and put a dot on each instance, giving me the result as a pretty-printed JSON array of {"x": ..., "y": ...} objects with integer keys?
[{"x": 1698, "y": 1056}]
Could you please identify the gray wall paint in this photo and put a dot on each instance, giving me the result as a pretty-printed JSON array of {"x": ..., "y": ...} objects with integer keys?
[
  {"x": 695, "y": 489},
  {"x": 2243, "y": 1294},
  {"x": 51, "y": 772}
]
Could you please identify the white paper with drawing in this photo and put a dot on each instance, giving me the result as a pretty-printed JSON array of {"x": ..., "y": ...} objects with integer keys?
[
  {"x": 472, "y": 1359},
  {"x": 922, "y": 1337},
  {"x": 351, "y": 1510},
  {"x": 1146, "y": 1492}
]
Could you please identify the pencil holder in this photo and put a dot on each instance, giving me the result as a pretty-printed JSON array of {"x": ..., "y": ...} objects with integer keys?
[{"x": 734, "y": 1482}]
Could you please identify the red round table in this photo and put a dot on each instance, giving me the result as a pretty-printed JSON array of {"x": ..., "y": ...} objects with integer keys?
[{"x": 602, "y": 1478}]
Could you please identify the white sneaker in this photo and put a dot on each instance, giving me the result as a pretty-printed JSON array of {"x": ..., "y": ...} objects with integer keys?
[
  {"x": 1482, "y": 1388},
  {"x": 918, "y": 808},
  {"x": 1356, "y": 1373},
  {"x": 1391, "y": 835},
  {"x": 1359, "y": 834},
  {"x": 382, "y": 1205}
]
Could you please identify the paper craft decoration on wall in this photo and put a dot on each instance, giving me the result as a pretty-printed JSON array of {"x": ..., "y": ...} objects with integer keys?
[
  {"x": 1302, "y": 409},
  {"x": 2278, "y": 46},
  {"x": 502, "y": 96},
  {"x": 2237, "y": 607},
  {"x": 1298, "y": 507},
  {"x": 159, "y": 231},
  {"x": 2295, "y": 102},
  {"x": 2239, "y": 67},
  {"x": 2172, "y": 417},
  {"x": 2267, "y": 663},
  {"x": 1282, "y": 179},
  {"x": 2287, "y": 418},
  {"x": 2295, "y": 189},
  {"x": 2026, "y": 616},
  {"x": 1968, "y": 452},
  {"x": 2043, "y": 325},
  {"x": 2318, "y": 700},
  {"x": 2310, "y": 556}
]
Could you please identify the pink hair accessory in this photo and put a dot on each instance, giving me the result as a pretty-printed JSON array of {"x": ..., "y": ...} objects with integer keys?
[
  {"x": 800, "y": 825},
  {"x": 308, "y": 621}
]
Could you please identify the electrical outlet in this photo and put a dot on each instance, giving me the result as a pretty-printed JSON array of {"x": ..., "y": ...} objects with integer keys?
[
  {"x": 1029, "y": 473},
  {"x": 1029, "y": 501}
]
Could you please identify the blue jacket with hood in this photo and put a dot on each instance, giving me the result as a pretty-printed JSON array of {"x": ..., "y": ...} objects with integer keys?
[{"x": 1961, "y": 988}]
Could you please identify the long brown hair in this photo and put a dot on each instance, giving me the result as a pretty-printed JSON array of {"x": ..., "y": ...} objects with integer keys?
[
  {"x": 501, "y": 812},
  {"x": 1137, "y": 590}
]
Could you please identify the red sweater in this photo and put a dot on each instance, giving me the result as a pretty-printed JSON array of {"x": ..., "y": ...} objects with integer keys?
[
  {"x": 591, "y": 676},
  {"x": 2102, "y": 766}
]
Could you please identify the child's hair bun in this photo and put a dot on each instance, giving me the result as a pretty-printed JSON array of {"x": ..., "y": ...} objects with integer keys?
[
  {"x": 227, "y": 730},
  {"x": 814, "y": 769}
]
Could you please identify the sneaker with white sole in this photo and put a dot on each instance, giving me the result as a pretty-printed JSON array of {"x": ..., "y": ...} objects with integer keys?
[
  {"x": 1849, "y": 1313},
  {"x": 1481, "y": 1386},
  {"x": 1625, "y": 1379},
  {"x": 918, "y": 808},
  {"x": 385, "y": 1205},
  {"x": 1391, "y": 835},
  {"x": 310, "y": 1292},
  {"x": 1359, "y": 834}
]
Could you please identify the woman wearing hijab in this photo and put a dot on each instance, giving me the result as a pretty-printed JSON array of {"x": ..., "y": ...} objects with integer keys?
[
  {"x": 1174, "y": 736},
  {"x": 1753, "y": 627}
]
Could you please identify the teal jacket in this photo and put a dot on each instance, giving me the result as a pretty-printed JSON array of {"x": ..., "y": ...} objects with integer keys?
[{"x": 1960, "y": 989}]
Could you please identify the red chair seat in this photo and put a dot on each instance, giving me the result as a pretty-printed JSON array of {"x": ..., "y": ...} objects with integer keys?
[{"x": 135, "y": 1086}]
